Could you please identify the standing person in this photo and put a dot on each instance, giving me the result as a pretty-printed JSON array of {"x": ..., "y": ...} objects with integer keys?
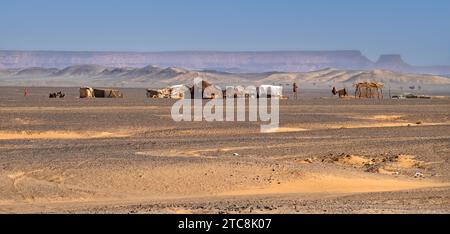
[
  {"x": 25, "y": 92},
  {"x": 295, "y": 90}
]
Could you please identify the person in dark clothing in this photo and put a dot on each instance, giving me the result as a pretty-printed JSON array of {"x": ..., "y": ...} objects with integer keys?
[{"x": 295, "y": 90}]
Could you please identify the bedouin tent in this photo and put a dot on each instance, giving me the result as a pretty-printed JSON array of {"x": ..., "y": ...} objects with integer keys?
[
  {"x": 212, "y": 92},
  {"x": 86, "y": 92},
  {"x": 200, "y": 86}
]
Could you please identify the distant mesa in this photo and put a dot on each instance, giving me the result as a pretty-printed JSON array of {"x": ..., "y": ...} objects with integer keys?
[
  {"x": 227, "y": 62},
  {"x": 392, "y": 62}
]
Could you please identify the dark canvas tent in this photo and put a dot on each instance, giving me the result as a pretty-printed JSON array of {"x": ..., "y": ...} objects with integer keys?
[
  {"x": 208, "y": 90},
  {"x": 270, "y": 91},
  {"x": 153, "y": 93},
  {"x": 107, "y": 93},
  {"x": 198, "y": 87}
]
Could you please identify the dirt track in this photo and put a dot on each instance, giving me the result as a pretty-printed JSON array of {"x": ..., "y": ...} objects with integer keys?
[{"x": 128, "y": 155}]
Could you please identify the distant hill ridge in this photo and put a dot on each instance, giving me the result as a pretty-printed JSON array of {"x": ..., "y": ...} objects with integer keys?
[
  {"x": 155, "y": 76},
  {"x": 234, "y": 62}
]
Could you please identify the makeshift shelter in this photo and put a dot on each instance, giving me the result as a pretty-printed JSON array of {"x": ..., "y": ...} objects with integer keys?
[
  {"x": 207, "y": 90},
  {"x": 410, "y": 96},
  {"x": 179, "y": 91},
  {"x": 107, "y": 93},
  {"x": 86, "y": 92},
  {"x": 198, "y": 87},
  {"x": 163, "y": 93},
  {"x": 174, "y": 92},
  {"x": 369, "y": 90},
  {"x": 270, "y": 91},
  {"x": 152, "y": 93},
  {"x": 212, "y": 92}
]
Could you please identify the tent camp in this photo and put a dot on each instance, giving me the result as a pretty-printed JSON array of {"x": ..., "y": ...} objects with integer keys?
[
  {"x": 160, "y": 93},
  {"x": 107, "y": 93},
  {"x": 208, "y": 90},
  {"x": 86, "y": 92},
  {"x": 174, "y": 92},
  {"x": 270, "y": 91}
]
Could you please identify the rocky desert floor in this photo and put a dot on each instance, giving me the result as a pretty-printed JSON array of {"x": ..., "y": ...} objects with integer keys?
[{"x": 128, "y": 156}]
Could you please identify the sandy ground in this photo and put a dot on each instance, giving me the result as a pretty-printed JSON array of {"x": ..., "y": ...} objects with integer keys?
[{"x": 128, "y": 156}]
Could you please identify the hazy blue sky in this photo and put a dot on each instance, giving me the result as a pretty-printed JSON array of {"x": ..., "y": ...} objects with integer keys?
[{"x": 417, "y": 29}]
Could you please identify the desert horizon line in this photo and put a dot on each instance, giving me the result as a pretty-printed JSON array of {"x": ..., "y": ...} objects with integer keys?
[{"x": 358, "y": 51}]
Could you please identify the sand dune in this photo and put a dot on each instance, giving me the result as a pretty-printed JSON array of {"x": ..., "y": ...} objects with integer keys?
[{"x": 284, "y": 129}]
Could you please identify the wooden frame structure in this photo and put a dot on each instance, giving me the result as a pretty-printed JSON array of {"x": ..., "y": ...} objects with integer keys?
[{"x": 369, "y": 90}]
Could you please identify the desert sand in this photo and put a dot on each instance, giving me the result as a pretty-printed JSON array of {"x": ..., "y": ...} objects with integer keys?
[{"x": 128, "y": 156}]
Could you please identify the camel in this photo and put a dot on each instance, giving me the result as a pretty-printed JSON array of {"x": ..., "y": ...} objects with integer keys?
[
  {"x": 342, "y": 92},
  {"x": 56, "y": 95}
]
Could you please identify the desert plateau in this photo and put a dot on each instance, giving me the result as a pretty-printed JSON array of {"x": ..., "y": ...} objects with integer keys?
[{"x": 127, "y": 155}]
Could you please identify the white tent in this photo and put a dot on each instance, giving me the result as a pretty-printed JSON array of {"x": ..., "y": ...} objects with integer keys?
[
  {"x": 271, "y": 91},
  {"x": 234, "y": 92},
  {"x": 212, "y": 92},
  {"x": 179, "y": 91}
]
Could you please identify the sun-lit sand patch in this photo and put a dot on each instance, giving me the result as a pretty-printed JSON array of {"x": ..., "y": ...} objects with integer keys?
[
  {"x": 398, "y": 165},
  {"x": 284, "y": 130},
  {"x": 406, "y": 161},
  {"x": 352, "y": 160},
  {"x": 21, "y": 121},
  {"x": 23, "y": 135},
  {"x": 338, "y": 184},
  {"x": 385, "y": 117},
  {"x": 384, "y": 171},
  {"x": 383, "y": 125},
  {"x": 400, "y": 162},
  {"x": 354, "y": 125},
  {"x": 16, "y": 175},
  {"x": 440, "y": 97},
  {"x": 82, "y": 108},
  {"x": 172, "y": 153},
  {"x": 178, "y": 211},
  {"x": 217, "y": 131},
  {"x": 196, "y": 152}
]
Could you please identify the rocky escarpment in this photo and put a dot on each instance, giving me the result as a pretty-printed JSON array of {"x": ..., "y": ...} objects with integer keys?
[
  {"x": 293, "y": 61},
  {"x": 155, "y": 76},
  {"x": 392, "y": 62},
  {"x": 234, "y": 62}
]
